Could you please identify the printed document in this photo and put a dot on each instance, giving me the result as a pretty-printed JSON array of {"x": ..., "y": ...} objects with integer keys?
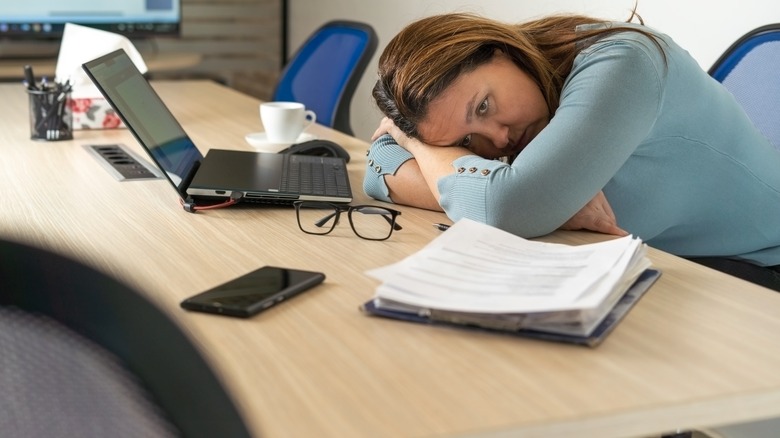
[{"x": 479, "y": 269}]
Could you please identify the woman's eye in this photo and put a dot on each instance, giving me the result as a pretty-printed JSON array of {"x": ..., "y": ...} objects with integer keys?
[
  {"x": 466, "y": 142},
  {"x": 483, "y": 107}
]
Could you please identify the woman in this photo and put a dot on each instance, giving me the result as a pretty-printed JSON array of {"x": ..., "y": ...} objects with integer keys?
[{"x": 596, "y": 124}]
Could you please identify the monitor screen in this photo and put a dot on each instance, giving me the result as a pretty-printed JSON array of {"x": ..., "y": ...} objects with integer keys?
[{"x": 45, "y": 19}]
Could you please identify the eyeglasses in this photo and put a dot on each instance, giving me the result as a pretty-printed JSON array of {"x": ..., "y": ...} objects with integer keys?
[{"x": 367, "y": 221}]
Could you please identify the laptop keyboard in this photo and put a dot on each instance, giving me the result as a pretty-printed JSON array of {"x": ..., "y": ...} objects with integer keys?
[{"x": 309, "y": 175}]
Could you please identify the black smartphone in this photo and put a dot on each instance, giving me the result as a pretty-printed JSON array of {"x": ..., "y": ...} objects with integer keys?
[{"x": 253, "y": 292}]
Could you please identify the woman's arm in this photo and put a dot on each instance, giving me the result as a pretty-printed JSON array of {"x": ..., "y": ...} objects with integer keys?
[
  {"x": 392, "y": 175},
  {"x": 408, "y": 187}
]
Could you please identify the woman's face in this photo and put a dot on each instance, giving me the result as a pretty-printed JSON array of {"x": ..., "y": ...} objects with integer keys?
[{"x": 494, "y": 110}]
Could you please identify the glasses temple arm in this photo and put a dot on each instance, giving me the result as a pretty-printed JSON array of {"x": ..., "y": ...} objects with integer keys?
[
  {"x": 325, "y": 219},
  {"x": 383, "y": 211}
]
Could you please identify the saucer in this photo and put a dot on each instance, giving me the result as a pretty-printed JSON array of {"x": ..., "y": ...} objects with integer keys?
[{"x": 259, "y": 141}]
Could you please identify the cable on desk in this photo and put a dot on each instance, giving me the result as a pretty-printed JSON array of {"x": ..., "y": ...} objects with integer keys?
[{"x": 189, "y": 204}]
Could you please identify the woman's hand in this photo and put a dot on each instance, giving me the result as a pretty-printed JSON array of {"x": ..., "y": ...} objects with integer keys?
[
  {"x": 386, "y": 126},
  {"x": 381, "y": 129},
  {"x": 597, "y": 216}
]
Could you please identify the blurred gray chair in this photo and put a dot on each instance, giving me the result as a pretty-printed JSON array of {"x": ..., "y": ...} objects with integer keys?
[
  {"x": 82, "y": 355},
  {"x": 757, "y": 429}
]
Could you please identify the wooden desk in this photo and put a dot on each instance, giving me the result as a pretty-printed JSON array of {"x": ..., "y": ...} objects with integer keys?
[
  {"x": 156, "y": 62},
  {"x": 701, "y": 348}
]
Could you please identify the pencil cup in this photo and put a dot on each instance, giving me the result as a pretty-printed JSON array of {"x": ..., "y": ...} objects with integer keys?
[{"x": 50, "y": 116}]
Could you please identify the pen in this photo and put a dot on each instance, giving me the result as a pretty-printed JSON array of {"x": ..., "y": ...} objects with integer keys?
[
  {"x": 29, "y": 78},
  {"x": 441, "y": 227}
]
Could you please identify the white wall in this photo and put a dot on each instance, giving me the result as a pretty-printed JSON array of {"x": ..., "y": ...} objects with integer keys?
[{"x": 705, "y": 28}]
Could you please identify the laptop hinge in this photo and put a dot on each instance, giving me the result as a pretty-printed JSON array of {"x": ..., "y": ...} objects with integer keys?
[
  {"x": 188, "y": 203},
  {"x": 187, "y": 180}
]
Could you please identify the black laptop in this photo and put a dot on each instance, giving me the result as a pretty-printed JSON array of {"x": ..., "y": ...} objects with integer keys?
[{"x": 221, "y": 174}]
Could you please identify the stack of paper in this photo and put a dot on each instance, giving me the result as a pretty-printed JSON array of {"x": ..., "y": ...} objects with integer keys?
[{"x": 477, "y": 275}]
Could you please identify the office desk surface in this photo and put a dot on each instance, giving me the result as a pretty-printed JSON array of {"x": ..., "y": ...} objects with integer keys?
[
  {"x": 699, "y": 349},
  {"x": 13, "y": 68}
]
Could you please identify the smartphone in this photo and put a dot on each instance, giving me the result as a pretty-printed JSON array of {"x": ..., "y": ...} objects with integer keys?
[{"x": 253, "y": 292}]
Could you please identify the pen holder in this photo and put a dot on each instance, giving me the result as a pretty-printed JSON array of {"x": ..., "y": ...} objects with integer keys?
[{"x": 50, "y": 115}]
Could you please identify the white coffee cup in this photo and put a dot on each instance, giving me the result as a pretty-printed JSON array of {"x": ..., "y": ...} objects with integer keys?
[{"x": 285, "y": 121}]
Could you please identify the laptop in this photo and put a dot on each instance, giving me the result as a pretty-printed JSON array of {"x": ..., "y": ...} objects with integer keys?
[{"x": 222, "y": 174}]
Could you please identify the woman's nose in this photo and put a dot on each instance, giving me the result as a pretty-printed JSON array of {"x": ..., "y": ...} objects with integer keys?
[{"x": 500, "y": 136}]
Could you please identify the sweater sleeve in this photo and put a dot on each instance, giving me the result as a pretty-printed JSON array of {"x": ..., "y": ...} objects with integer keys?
[
  {"x": 384, "y": 158},
  {"x": 608, "y": 105}
]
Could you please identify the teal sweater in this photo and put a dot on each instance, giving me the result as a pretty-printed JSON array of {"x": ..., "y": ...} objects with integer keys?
[{"x": 677, "y": 158}]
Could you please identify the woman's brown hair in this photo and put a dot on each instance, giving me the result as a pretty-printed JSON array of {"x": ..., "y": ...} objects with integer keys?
[{"x": 428, "y": 55}]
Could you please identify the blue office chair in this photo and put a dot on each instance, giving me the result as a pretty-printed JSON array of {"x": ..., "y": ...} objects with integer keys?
[
  {"x": 750, "y": 69},
  {"x": 84, "y": 355},
  {"x": 325, "y": 71}
]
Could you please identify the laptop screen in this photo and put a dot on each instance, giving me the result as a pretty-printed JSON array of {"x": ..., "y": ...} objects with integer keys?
[{"x": 147, "y": 117}]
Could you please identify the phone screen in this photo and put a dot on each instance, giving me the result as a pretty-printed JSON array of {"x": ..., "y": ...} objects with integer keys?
[{"x": 253, "y": 292}]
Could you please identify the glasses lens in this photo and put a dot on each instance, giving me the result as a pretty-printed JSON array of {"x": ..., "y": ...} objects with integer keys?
[
  {"x": 316, "y": 217},
  {"x": 374, "y": 223}
]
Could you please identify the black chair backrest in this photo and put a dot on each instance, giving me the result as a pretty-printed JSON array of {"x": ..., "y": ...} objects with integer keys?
[{"x": 124, "y": 322}]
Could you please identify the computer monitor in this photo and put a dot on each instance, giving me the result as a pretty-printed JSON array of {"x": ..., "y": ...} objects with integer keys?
[{"x": 45, "y": 19}]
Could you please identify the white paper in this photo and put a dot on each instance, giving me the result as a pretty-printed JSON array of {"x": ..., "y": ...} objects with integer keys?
[
  {"x": 81, "y": 44},
  {"x": 473, "y": 267}
]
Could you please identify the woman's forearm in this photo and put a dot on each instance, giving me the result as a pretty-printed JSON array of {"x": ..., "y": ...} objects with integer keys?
[
  {"x": 413, "y": 181},
  {"x": 408, "y": 187},
  {"x": 434, "y": 162},
  {"x": 393, "y": 175}
]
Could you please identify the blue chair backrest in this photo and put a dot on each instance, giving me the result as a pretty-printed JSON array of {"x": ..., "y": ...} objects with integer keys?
[
  {"x": 325, "y": 71},
  {"x": 750, "y": 70}
]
